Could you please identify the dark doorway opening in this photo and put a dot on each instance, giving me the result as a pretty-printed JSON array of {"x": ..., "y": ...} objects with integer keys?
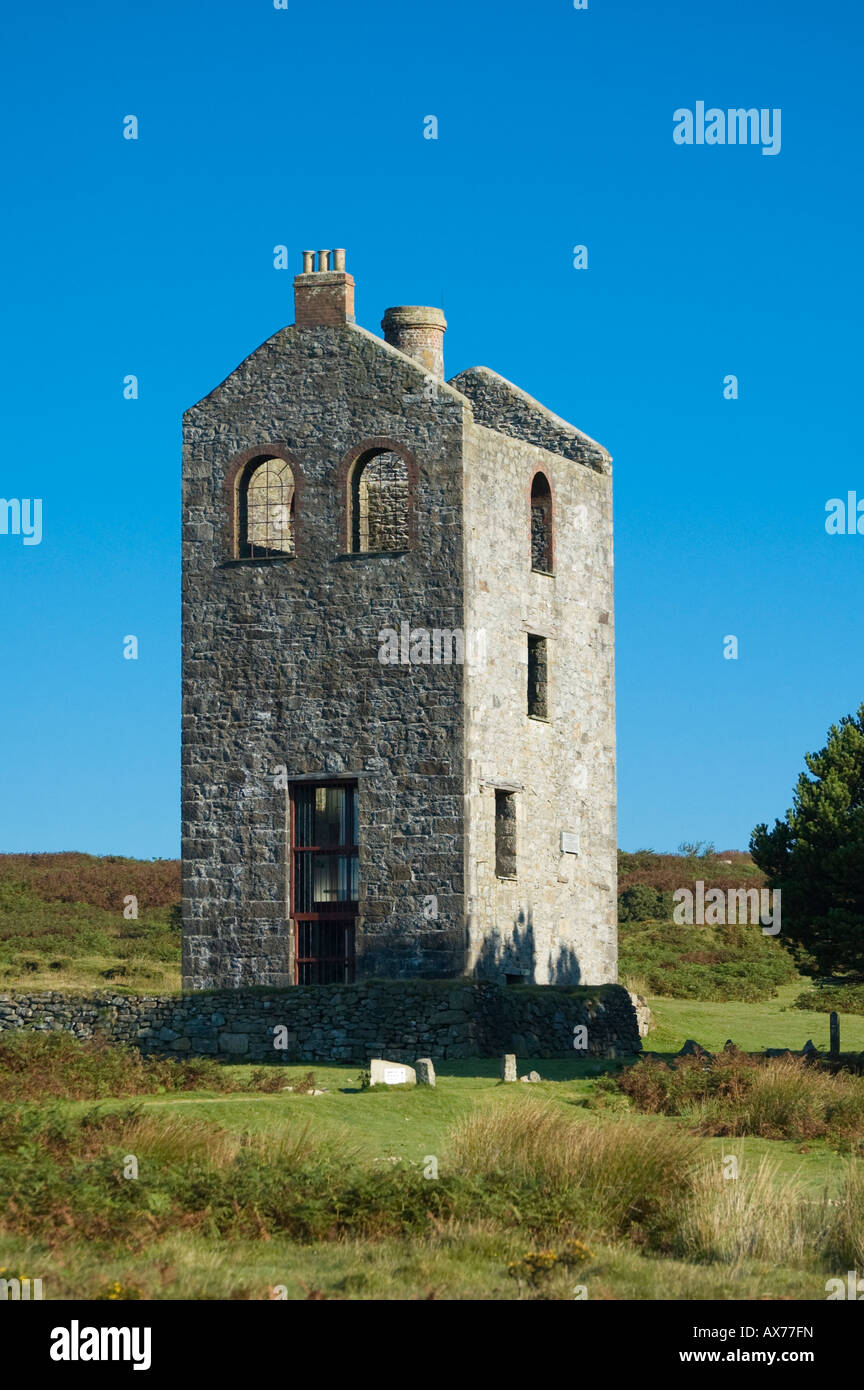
[{"x": 324, "y": 863}]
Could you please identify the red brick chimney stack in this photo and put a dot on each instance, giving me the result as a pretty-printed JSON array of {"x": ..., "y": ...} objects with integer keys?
[{"x": 323, "y": 297}]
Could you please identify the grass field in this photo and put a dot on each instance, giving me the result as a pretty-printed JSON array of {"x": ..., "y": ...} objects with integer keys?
[
  {"x": 399, "y": 1131},
  {"x": 383, "y": 1125},
  {"x": 753, "y": 1027},
  {"x": 466, "y": 1266},
  {"x": 243, "y": 1192}
]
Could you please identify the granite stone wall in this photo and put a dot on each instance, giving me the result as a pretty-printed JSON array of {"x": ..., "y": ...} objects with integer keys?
[
  {"x": 283, "y": 680},
  {"x": 554, "y": 921},
  {"x": 346, "y": 1023},
  {"x": 281, "y": 663}
]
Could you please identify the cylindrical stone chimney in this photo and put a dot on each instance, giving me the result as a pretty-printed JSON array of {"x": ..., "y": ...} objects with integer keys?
[{"x": 419, "y": 333}]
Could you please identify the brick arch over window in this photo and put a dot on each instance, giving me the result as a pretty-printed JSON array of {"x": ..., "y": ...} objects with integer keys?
[
  {"x": 542, "y": 528},
  {"x": 263, "y": 487},
  {"x": 378, "y": 485}
]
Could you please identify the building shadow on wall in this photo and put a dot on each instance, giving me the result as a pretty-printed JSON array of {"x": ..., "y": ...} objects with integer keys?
[
  {"x": 564, "y": 969},
  {"x": 511, "y": 957}
]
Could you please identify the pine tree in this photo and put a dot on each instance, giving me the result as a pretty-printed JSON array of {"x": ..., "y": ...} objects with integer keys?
[{"x": 816, "y": 856}]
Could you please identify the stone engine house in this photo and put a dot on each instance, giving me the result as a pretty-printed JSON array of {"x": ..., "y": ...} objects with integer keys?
[{"x": 398, "y": 666}]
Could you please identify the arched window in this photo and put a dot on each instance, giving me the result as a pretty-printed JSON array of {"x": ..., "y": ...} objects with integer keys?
[
  {"x": 378, "y": 502},
  {"x": 541, "y": 524},
  {"x": 266, "y": 509}
]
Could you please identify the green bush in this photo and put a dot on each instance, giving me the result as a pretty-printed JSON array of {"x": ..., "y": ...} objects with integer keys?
[
  {"x": 59, "y": 1066},
  {"x": 846, "y": 999},
  {"x": 641, "y": 903},
  {"x": 683, "y": 962},
  {"x": 530, "y": 1169}
]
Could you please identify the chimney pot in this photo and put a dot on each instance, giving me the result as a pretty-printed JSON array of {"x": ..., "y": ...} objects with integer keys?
[{"x": 323, "y": 298}]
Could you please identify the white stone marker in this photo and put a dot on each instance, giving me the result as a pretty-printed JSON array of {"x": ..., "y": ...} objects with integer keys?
[{"x": 383, "y": 1073}]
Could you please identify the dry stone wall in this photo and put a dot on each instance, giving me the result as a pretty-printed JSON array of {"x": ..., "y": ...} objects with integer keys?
[{"x": 346, "y": 1023}]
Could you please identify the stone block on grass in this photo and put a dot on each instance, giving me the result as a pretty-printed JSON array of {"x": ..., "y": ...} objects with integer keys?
[{"x": 383, "y": 1073}]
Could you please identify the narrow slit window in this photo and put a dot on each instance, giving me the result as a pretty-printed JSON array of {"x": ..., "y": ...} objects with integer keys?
[
  {"x": 538, "y": 699},
  {"x": 541, "y": 524},
  {"x": 505, "y": 834}
]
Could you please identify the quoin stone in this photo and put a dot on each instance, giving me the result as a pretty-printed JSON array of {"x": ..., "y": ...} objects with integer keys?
[{"x": 336, "y": 486}]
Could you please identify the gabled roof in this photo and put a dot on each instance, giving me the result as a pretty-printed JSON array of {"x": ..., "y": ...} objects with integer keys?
[{"x": 501, "y": 406}]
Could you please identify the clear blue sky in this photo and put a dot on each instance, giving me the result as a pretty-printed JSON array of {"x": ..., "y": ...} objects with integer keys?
[{"x": 304, "y": 126}]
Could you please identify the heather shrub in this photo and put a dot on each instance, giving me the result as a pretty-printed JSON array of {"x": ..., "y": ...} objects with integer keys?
[
  {"x": 97, "y": 880},
  {"x": 666, "y": 872},
  {"x": 781, "y": 1098},
  {"x": 35, "y": 1066}
]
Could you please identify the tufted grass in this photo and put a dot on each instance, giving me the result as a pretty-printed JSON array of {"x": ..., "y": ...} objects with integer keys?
[
  {"x": 781, "y": 1098},
  {"x": 758, "y": 1215},
  {"x": 219, "y": 1213}
]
